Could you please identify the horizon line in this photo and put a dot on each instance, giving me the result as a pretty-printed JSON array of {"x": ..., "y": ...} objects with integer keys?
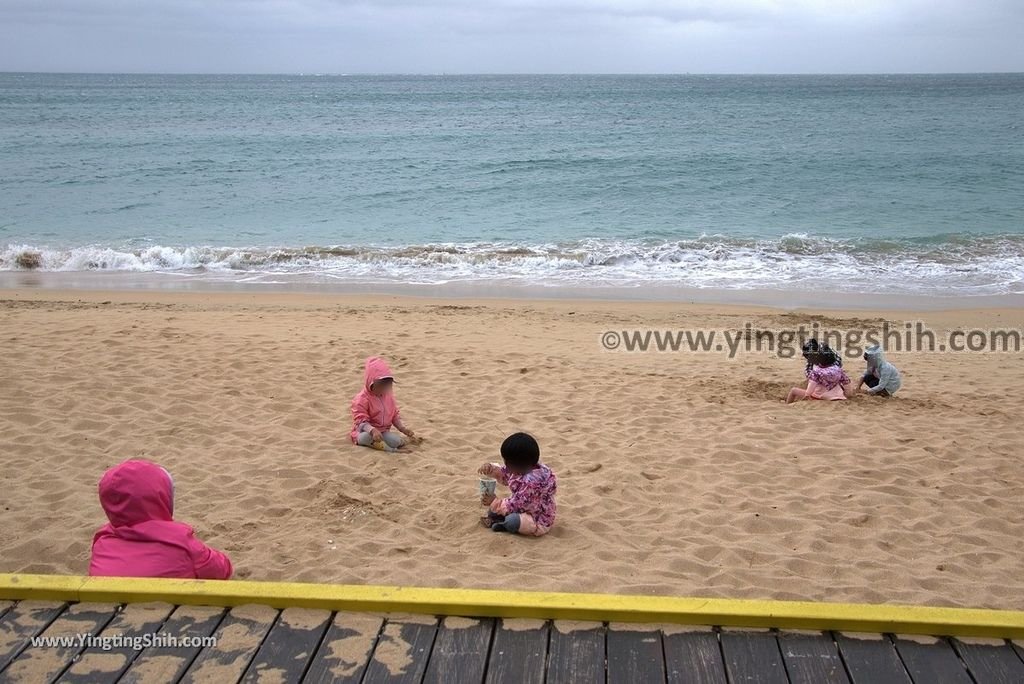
[{"x": 511, "y": 73}]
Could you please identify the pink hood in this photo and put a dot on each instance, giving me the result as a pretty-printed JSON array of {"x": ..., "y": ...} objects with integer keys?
[
  {"x": 380, "y": 412},
  {"x": 135, "y": 492},
  {"x": 142, "y": 538},
  {"x": 375, "y": 369}
]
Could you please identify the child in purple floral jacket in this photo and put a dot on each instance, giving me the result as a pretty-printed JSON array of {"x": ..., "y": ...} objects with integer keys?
[
  {"x": 530, "y": 510},
  {"x": 826, "y": 378}
]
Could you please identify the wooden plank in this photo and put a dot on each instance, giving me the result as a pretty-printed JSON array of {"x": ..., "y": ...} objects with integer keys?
[
  {"x": 22, "y": 622},
  {"x": 106, "y": 662},
  {"x": 346, "y": 649},
  {"x": 402, "y": 650},
  {"x": 519, "y": 652},
  {"x": 288, "y": 649},
  {"x": 932, "y": 660},
  {"x": 460, "y": 651},
  {"x": 634, "y": 655},
  {"x": 990, "y": 660},
  {"x": 159, "y": 664},
  {"x": 753, "y": 657},
  {"x": 694, "y": 657},
  {"x": 70, "y": 630},
  {"x": 812, "y": 657},
  {"x": 239, "y": 636},
  {"x": 871, "y": 659},
  {"x": 576, "y": 653}
]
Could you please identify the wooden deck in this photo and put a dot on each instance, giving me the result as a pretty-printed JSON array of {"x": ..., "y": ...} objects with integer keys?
[{"x": 261, "y": 644}]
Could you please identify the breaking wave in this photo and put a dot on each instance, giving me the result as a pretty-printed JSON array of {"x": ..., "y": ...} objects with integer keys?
[{"x": 949, "y": 264}]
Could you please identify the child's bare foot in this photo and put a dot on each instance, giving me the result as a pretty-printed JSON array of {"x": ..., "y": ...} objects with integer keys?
[{"x": 486, "y": 521}]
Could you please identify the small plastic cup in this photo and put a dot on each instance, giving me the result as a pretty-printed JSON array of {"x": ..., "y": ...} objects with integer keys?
[{"x": 488, "y": 485}]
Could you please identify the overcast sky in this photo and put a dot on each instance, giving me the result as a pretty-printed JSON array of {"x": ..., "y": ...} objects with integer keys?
[{"x": 512, "y": 36}]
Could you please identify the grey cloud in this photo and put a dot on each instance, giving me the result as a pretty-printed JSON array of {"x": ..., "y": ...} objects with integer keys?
[{"x": 511, "y": 35}]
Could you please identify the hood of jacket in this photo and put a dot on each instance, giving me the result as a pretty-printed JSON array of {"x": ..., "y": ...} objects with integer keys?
[
  {"x": 874, "y": 356},
  {"x": 376, "y": 368},
  {"x": 136, "y": 492}
]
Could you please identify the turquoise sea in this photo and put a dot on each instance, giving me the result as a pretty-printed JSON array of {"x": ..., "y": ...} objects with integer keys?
[{"x": 898, "y": 184}]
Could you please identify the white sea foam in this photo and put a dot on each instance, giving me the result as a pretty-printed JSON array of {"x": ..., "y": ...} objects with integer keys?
[{"x": 993, "y": 265}]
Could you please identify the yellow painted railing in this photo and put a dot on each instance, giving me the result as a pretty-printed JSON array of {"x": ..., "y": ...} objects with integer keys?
[{"x": 522, "y": 604}]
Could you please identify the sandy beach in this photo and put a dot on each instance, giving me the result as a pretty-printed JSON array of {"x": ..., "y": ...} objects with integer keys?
[{"x": 679, "y": 473}]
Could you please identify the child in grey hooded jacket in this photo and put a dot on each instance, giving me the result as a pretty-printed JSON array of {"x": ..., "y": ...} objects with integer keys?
[{"x": 881, "y": 377}]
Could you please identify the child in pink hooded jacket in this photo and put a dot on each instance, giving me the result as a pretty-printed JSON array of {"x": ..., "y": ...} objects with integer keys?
[
  {"x": 142, "y": 538},
  {"x": 374, "y": 410}
]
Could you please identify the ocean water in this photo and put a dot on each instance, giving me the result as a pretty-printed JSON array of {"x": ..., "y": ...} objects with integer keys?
[{"x": 855, "y": 184}]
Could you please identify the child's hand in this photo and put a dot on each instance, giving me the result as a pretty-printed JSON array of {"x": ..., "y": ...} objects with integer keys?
[
  {"x": 409, "y": 433},
  {"x": 375, "y": 433},
  {"x": 487, "y": 469},
  {"x": 487, "y": 499}
]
